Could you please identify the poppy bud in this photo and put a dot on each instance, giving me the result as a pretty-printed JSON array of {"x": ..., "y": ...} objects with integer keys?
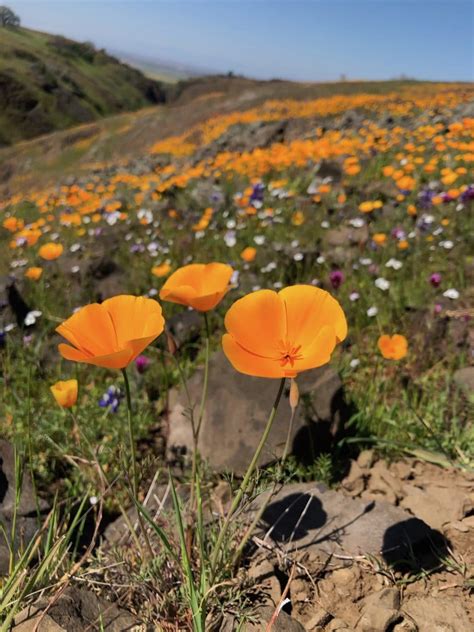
[
  {"x": 294, "y": 394},
  {"x": 65, "y": 393},
  {"x": 171, "y": 342}
]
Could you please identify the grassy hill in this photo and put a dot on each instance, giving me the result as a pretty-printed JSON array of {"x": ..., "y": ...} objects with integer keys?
[{"x": 48, "y": 82}]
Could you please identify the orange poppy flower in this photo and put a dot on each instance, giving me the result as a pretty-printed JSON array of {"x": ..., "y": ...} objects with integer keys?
[
  {"x": 65, "y": 393},
  {"x": 248, "y": 254},
  {"x": 198, "y": 285},
  {"x": 280, "y": 334},
  {"x": 379, "y": 238},
  {"x": 111, "y": 334},
  {"x": 393, "y": 347},
  {"x": 162, "y": 270},
  {"x": 33, "y": 273},
  {"x": 50, "y": 251}
]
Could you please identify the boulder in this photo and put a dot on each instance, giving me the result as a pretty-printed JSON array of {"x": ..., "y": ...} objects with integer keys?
[
  {"x": 282, "y": 623},
  {"x": 437, "y": 614},
  {"x": 237, "y": 409},
  {"x": 311, "y": 517},
  {"x": 76, "y": 609}
]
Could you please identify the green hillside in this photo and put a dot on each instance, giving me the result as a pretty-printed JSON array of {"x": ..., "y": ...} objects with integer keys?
[{"x": 48, "y": 82}]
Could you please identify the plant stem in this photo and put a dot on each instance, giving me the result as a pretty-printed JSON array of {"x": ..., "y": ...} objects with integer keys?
[
  {"x": 243, "y": 486},
  {"x": 133, "y": 456},
  {"x": 197, "y": 427},
  {"x": 206, "y": 377},
  {"x": 131, "y": 435},
  {"x": 265, "y": 504}
]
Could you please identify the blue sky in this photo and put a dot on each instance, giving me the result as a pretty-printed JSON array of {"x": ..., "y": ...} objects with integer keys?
[{"x": 314, "y": 40}]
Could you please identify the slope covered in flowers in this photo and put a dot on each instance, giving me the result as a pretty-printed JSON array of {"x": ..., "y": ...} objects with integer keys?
[{"x": 369, "y": 195}]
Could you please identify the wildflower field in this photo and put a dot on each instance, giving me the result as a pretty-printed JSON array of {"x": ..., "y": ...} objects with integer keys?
[{"x": 183, "y": 284}]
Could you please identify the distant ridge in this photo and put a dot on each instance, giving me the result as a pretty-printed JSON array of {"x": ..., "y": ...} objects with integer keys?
[
  {"x": 49, "y": 82},
  {"x": 162, "y": 69}
]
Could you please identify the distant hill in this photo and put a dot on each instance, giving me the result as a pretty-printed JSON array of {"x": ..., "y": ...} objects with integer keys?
[
  {"x": 49, "y": 82},
  {"x": 160, "y": 69}
]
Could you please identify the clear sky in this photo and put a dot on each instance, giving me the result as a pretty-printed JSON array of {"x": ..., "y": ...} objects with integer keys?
[{"x": 307, "y": 40}]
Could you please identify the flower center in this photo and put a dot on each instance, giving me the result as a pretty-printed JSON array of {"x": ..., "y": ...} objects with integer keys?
[{"x": 289, "y": 354}]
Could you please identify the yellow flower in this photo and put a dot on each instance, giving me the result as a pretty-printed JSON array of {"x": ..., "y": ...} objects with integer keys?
[
  {"x": 297, "y": 218},
  {"x": 65, "y": 393}
]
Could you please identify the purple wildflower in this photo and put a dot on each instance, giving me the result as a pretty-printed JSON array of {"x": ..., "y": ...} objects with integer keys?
[
  {"x": 336, "y": 277},
  {"x": 111, "y": 398},
  {"x": 435, "y": 279},
  {"x": 142, "y": 363}
]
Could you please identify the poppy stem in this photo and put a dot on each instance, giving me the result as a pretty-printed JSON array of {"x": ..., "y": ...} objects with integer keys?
[
  {"x": 267, "y": 501},
  {"x": 206, "y": 378},
  {"x": 245, "y": 482},
  {"x": 133, "y": 456},
  {"x": 197, "y": 426},
  {"x": 131, "y": 435}
]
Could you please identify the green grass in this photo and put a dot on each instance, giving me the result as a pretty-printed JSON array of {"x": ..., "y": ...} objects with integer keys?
[{"x": 66, "y": 83}]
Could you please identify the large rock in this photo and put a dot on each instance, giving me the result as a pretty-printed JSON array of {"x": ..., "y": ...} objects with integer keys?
[
  {"x": 27, "y": 519},
  {"x": 282, "y": 623},
  {"x": 308, "y": 516},
  {"x": 438, "y": 614},
  {"x": 237, "y": 408},
  {"x": 76, "y": 609}
]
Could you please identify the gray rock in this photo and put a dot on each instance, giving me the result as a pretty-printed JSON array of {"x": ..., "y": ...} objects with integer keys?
[
  {"x": 283, "y": 623},
  {"x": 185, "y": 326},
  {"x": 76, "y": 609},
  {"x": 27, "y": 520},
  {"x": 237, "y": 409},
  {"x": 309, "y": 517}
]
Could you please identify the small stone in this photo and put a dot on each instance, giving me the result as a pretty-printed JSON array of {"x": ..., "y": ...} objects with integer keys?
[
  {"x": 366, "y": 459},
  {"x": 318, "y": 618},
  {"x": 283, "y": 623},
  {"x": 336, "y": 624},
  {"x": 377, "y": 619},
  {"x": 386, "y": 598}
]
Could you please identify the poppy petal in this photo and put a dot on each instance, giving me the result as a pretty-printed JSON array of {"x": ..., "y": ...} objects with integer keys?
[
  {"x": 134, "y": 318},
  {"x": 248, "y": 363},
  {"x": 308, "y": 309},
  {"x": 319, "y": 351},
  {"x": 258, "y": 322},
  {"x": 90, "y": 329}
]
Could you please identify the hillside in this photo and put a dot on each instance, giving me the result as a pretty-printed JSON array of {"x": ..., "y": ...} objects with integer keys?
[
  {"x": 128, "y": 136},
  {"x": 329, "y": 213},
  {"x": 48, "y": 83}
]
